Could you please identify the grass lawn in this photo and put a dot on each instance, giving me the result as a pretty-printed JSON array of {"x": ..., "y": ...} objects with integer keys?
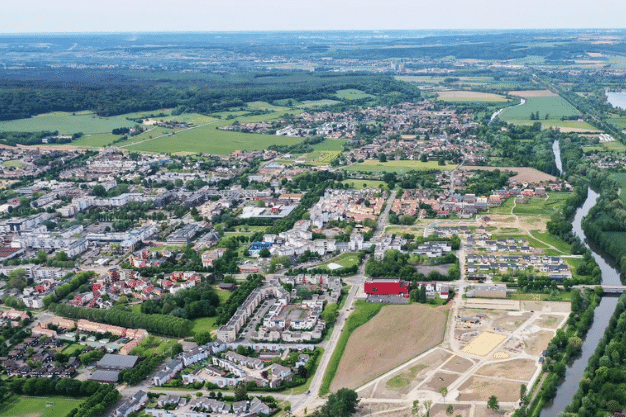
[
  {"x": 153, "y": 344},
  {"x": 223, "y": 295},
  {"x": 352, "y": 94},
  {"x": 39, "y": 406},
  {"x": 531, "y": 240},
  {"x": 358, "y": 184},
  {"x": 316, "y": 103},
  {"x": 363, "y": 312},
  {"x": 504, "y": 208},
  {"x": 374, "y": 165},
  {"x": 66, "y": 123},
  {"x": 70, "y": 349},
  {"x": 346, "y": 260},
  {"x": 13, "y": 163},
  {"x": 96, "y": 140},
  {"x": 404, "y": 379},
  {"x": 205, "y": 324}
]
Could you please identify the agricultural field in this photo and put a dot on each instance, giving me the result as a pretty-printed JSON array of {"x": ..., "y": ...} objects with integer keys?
[
  {"x": 461, "y": 96},
  {"x": 533, "y": 93},
  {"x": 95, "y": 140},
  {"x": 618, "y": 122},
  {"x": 330, "y": 145},
  {"x": 523, "y": 174},
  {"x": 373, "y": 165},
  {"x": 352, "y": 94},
  {"x": 553, "y": 106},
  {"x": 39, "y": 406},
  {"x": 373, "y": 347},
  {"x": 67, "y": 123},
  {"x": 317, "y": 103},
  {"x": 208, "y": 139}
]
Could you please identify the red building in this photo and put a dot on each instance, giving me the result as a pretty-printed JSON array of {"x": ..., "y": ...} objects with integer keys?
[{"x": 387, "y": 287}]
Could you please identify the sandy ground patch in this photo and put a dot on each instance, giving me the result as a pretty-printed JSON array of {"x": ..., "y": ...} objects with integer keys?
[
  {"x": 532, "y": 93},
  {"x": 523, "y": 174},
  {"x": 492, "y": 304},
  {"x": 395, "y": 335},
  {"x": 394, "y": 389},
  {"x": 547, "y": 306},
  {"x": 520, "y": 369},
  {"x": 510, "y": 323},
  {"x": 439, "y": 380},
  {"x": 539, "y": 342},
  {"x": 548, "y": 321},
  {"x": 483, "y": 411},
  {"x": 384, "y": 409},
  {"x": 501, "y": 355},
  {"x": 484, "y": 344},
  {"x": 439, "y": 410},
  {"x": 480, "y": 389},
  {"x": 458, "y": 364}
]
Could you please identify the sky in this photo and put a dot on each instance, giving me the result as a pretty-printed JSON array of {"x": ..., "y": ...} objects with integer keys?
[{"x": 37, "y": 16}]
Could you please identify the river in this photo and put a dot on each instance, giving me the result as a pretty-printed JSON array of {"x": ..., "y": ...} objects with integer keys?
[
  {"x": 496, "y": 114},
  {"x": 602, "y": 314},
  {"x": 617, "y": 98}
]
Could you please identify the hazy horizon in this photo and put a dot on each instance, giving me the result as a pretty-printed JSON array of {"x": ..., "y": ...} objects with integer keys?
[{"x": 159, "y": 16}]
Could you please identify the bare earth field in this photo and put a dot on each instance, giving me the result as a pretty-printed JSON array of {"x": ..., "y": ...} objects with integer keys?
[
  {"x": 440, "y": 380},
  {"x": 439, "y": 410},
  {"x": 523, "y": 174},
  {"x": 480, "y": 389},
  {"x": 469, "y": 96},
  {"x": 532, "y": 93},
  {"x": 538, "y": 343},
  {"x": 458, "y": 364},
  {"x": 373, "y": 348},
  {"x": 522, "y": 369}
]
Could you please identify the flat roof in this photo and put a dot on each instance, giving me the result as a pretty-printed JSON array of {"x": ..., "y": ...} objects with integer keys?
[
  {"x": 113, "y": 361},
  {"x": 105, "y": 376}
]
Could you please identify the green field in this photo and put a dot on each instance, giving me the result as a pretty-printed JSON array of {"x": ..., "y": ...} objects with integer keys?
[
  {"x": 223, "y": 295},
  {"x": 404, "y": 379},
  {"x": 551, "y": 240},
  {"x": 66, "y": 123},
  {"x": 363, "y": 312},
  {"x": 71, "y": 348},
  {"x": 153, "y": 344},
  {"x": 321, "y": 158},
  {"x": 359, "y": 184},
  {"x": 205, "y": 324},
  {"x": 618, "y": 122},
  {"x": 352, "y": 94},
  {"x": 317, "y": 103},
  {"x": 373, "y": 165},
  {"x": 13, "y": 163},
  {"x": 346, "y": 260},
  {"x": 39, "y": 406},
  {"x": 620, "y": 178},
  {"x": 330, "y": 145},
  {"x": 542, "y": 206},
  {"x": 556, "y": 107}
]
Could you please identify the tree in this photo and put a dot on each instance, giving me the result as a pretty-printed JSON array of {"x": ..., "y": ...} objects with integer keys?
[
  {"x": 202, "y": 338},
  {"x": 613, "y": 406},
  {"x": 493, "y": 404},
  {"x": 427, "y": 405},
  {"x": 443, "y": 391},
  {"x": 522, "y": 392},
  {"x": 99, "y": 191},
  {"x": 382, "y": 157},
  {"x": 17, "y": 279},
  {"x": 450, "y": 410},
  {"x": 241, "y": 392},
  {"x": 265, "y": 253},
  {"x": 416, "y": 409},
  {"x": 176, "y": 349},
  {"x": 303, "y": 292}
]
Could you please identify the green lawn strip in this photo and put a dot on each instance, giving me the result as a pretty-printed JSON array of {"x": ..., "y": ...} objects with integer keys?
[
  {"x": 404, "y": 379},
  {"x": 359, "y": 184},
  {"x": 13, "y": 163},
  {"x": 363, "y": 312},
  {"x": 352, "y": 94},
  {"x": 551, "y": 240},
  {"x": 52, "y": 406},
  {"x": 346, "y": 260},
  {"x": 400, "y": 166},
  {"x": 204, "y": 324}
]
